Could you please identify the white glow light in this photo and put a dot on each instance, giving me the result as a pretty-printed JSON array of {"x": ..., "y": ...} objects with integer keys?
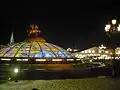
[
  {"x": 40, "y": 59},
  {"x": 56, "y": 59},
  {"x": 7, "y": 59},
  {"x": 108, "y": 26},
  {"x": 16, "y": 70},
  {"x": 70, "y": 59},
  {"x": 22, "y": 59},
  {"x": 118, "y": 27},
  {"x": 114, "y": 22},
  {"x": 106, "y": 29}
]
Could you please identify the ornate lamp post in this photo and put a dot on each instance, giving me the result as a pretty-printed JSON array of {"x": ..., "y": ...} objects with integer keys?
[{"x": 112, "y": 29}]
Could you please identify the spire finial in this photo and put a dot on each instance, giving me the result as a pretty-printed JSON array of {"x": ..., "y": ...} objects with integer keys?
[
  {"x": 12, "y": 39},
  {"x": 33, "y": 30}
]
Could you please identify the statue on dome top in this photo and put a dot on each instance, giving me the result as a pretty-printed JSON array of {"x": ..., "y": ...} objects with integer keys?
[{"x": 33, "y": 30}]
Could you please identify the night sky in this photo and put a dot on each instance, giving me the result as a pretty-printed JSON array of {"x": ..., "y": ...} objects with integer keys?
[{"x": 63, "y": 24}]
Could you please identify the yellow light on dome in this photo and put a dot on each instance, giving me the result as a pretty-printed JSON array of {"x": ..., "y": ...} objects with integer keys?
[{"x": 54, "y": 50}]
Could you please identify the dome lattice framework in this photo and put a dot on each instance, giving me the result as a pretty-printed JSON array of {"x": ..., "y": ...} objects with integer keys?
[{"x": 34, "y": 47}]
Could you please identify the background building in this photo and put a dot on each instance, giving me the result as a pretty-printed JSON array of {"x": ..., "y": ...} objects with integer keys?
[{"x": 100, "y": 52}]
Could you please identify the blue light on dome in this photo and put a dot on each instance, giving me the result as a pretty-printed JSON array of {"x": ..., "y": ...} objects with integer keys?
[{"x": 35, "y": 49}]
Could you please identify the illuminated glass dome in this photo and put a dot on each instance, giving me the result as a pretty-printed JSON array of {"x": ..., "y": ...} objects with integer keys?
[{"x": 35, "y": 47}]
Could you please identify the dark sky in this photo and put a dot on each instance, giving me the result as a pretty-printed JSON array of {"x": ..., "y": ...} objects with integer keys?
[{"x": 64, "y": 24}]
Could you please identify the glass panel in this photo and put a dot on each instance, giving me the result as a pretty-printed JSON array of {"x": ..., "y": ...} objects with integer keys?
[
  {"x": 26, "y": 46},
  {"x": 13, "y": 51},
  {"x": 39, "y": 55},
  {"x": 53, "y": 49},
  {"x": 22, "y": 53},
  {"x": 36, "y": 53},
  {"x": 35, "y": 46},
  {"x": 61, "y": 54},
  {"x": 44, "y": 47},
  {"x": 48, "y": 54},
  {"x": 67, "y": 54},
  {"x": 7, "y": 51}
]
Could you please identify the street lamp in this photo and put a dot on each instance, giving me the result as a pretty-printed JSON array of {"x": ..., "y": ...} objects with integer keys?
[
  {"x": 112, "y": 29},
  {"x": 14, "y": 73},
  {"x": 16, "y": 70}
]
